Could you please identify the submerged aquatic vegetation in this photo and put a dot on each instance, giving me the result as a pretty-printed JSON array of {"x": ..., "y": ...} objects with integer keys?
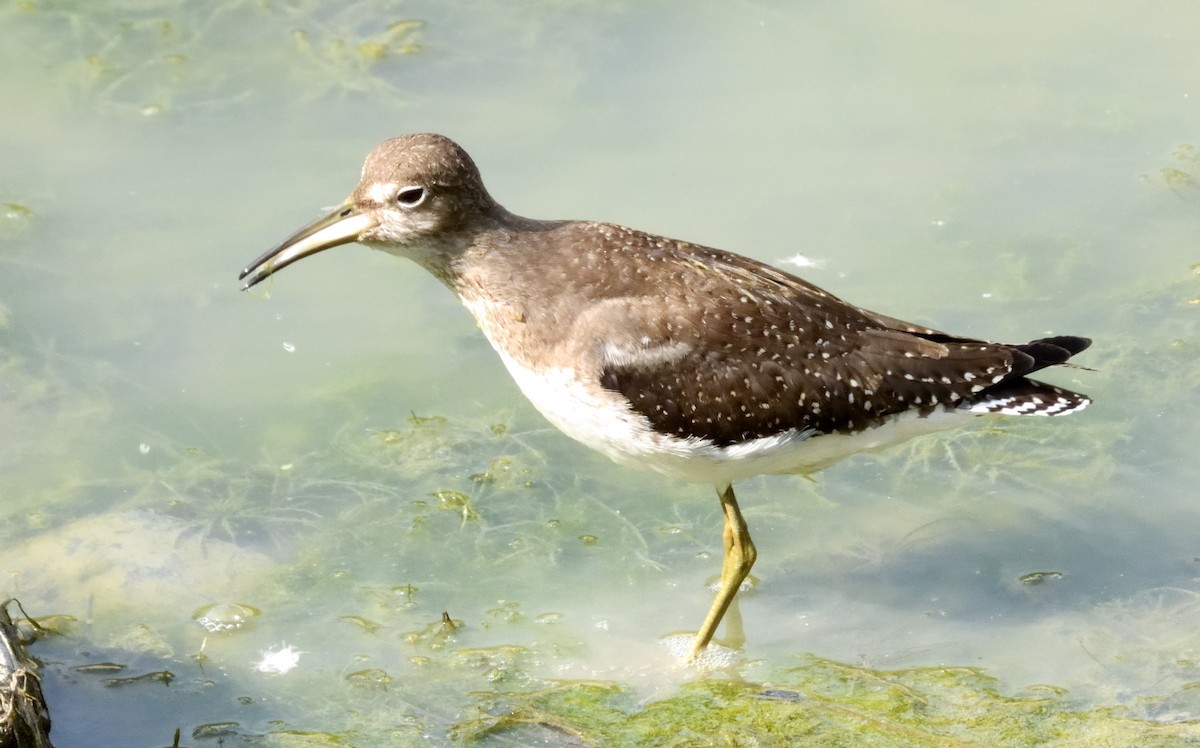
[
  {"x": 50, "y": 423},
  {"x": 226, "y": 500},
  {"x": 334, "y": 58},
  {"x": 1183, "y": 173},
  {"x": 152, "y": 59}
]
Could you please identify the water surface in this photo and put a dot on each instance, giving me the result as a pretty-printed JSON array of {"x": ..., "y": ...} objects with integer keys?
[{"x": 340, "y": 450}]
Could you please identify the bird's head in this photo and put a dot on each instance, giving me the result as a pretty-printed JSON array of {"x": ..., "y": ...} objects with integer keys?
[{"x": 417, "y": 193}]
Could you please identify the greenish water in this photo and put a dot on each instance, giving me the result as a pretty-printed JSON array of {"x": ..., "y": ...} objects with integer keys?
[{"x": 344, "y": 454}]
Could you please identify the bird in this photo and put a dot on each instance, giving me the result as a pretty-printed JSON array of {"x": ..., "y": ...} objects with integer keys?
[{"x": 695, "y": 362}]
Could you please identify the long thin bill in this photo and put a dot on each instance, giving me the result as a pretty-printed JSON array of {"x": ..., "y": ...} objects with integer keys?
[{"x": 342, "y": 226}]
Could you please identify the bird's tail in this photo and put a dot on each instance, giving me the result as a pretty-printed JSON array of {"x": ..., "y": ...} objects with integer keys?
[{"x": 1019, "y": 396}]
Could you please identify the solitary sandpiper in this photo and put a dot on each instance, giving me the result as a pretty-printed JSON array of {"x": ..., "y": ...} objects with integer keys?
[{"x": 692, "y": 361}]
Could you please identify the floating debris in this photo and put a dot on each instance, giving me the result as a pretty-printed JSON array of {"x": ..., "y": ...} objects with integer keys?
[
  {"x": 365, "y": 624},
  {"x": 1035, "y": 578},
  {"x": 158, "y": 676},
  {"x": 99, "y": 667}
]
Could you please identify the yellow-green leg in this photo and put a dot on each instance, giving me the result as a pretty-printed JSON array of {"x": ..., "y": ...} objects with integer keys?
[{"x": 739, "y": 557}]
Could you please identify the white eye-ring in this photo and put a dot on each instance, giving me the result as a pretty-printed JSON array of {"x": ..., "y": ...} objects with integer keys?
[{"x": 411, "y": 197}]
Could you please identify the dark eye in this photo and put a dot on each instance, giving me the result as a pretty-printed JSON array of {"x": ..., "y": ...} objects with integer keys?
[{"x": 410, "y": 197}]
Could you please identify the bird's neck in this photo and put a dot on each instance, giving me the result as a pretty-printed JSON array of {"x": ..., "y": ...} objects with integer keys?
[
  {"x": 500, "y": 274},
  {"x": 484, "y": 245}
]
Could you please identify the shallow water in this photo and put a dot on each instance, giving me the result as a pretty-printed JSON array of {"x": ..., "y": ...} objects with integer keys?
[{"x": 343, "y": 452}]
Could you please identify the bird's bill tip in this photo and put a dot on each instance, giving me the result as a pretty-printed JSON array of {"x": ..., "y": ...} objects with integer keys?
[{"x": 341, "y": 226}]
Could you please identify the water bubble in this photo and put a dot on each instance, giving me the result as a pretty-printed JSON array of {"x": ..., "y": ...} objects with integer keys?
[
  {"x": 712, "y": 657},
  {"x": 224, "y": 617}
]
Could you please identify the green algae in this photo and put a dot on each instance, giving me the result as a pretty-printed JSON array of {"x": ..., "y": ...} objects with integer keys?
[{"x": 821, "y": 703}]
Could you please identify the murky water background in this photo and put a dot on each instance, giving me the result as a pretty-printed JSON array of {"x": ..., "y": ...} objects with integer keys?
[{"x": 344, "y": 454}]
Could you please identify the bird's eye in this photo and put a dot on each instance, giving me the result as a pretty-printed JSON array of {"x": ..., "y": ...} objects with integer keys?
[{"x": 411, "y": 197}]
